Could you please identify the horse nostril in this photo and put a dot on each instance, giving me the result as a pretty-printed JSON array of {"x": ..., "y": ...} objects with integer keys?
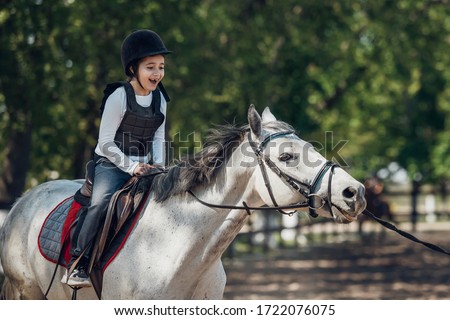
[{"x": 349, "y": 192}]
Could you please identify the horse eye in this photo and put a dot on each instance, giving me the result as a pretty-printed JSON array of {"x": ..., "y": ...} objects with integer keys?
[{"x": 285, "y": 157}]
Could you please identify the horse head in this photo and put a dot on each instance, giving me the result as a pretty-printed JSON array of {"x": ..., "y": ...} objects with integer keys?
[{"x": 293, "y": 172}]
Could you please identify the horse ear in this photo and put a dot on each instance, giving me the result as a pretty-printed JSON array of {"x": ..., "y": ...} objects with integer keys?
[
  {"x": 267, "y": 116},
  {"x": 254, "y": 120}
]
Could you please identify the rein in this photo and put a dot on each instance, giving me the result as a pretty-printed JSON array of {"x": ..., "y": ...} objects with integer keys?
[
  {"x": 384, "y": 223},
  {"x": 307, "y": 190},
  {"x": 246, "y": 207},
  {"x": 405, "y": 234}
]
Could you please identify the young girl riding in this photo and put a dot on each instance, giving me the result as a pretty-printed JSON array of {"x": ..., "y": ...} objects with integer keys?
[{"x": 131, "y": 139}]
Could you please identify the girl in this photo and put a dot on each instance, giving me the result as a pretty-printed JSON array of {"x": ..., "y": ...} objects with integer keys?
[{"x": 131, "y": 138}]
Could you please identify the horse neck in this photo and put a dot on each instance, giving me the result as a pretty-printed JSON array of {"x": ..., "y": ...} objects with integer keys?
[
  {"x": 227, "y": 223},
  {"x": 232, "y": 186}
]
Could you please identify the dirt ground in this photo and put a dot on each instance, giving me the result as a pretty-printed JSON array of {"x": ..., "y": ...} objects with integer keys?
[
  {"x": 370, "y": 267},
  {"x": 375, "y": 266}
]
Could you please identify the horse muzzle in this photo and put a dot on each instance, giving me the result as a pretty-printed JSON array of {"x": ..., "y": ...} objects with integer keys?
[{"x": 352, "y": 204}]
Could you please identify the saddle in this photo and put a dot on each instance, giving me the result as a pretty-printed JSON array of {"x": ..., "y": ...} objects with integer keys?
[
  {"x": 122, "y": 205},
  {"x": 125, "y": 204}
]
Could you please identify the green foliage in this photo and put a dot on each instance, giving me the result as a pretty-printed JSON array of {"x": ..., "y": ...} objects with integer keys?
[{"x": 375, "y": 73}]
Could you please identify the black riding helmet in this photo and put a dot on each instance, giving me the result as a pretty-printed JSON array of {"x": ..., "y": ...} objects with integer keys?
[{"x": 140, "y": 44}]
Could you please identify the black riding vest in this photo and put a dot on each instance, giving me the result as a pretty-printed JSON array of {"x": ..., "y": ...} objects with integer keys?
[{"x": 139, "y": 124}]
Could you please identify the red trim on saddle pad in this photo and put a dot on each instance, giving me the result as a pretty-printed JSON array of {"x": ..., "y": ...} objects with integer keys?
[
  {"x": 65, "y": 233},
  {"x": 75, "y": 207},
  {"x": 68, "y": 226}
]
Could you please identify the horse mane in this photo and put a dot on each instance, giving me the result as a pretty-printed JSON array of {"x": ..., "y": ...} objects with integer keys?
[{"x": 202, "y": 167}]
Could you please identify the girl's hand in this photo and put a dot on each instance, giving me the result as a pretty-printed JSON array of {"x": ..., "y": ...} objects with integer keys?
[{"x": 142, "y": 169}]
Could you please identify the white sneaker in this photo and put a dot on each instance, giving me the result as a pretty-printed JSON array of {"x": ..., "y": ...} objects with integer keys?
[{"x": 78, "y": 278}]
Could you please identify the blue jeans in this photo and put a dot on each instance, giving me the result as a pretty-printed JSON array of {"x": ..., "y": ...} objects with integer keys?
[{"x": 108, "y": 179}]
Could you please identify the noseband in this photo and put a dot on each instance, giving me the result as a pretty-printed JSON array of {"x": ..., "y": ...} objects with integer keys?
[{"x": 305, "y": 189}]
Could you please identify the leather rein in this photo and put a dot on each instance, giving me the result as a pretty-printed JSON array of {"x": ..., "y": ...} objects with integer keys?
[{"x": 305, "y": 189}]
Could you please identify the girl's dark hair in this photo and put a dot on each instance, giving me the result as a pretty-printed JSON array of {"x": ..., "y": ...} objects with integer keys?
[{"x": 134, "y": 66}]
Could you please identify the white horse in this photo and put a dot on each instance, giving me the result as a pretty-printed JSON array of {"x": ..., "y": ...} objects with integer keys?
[{"x": 175, "y": 249}]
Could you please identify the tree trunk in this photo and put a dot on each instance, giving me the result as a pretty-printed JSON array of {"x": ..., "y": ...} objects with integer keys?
[{"x": 16, "y": 161}]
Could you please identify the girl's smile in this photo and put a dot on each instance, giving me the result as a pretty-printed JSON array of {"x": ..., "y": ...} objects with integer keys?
[{"x": 150, "y": 73}]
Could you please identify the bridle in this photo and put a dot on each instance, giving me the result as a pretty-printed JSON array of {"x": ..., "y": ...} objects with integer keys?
[{"x": 305, "y": 189}]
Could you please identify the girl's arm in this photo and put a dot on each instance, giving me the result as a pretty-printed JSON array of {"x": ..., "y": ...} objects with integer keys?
[{"x": 158, "y": 152}]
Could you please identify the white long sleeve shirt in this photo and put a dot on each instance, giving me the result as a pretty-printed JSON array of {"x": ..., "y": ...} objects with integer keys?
[{"x": 115, "y": 108}]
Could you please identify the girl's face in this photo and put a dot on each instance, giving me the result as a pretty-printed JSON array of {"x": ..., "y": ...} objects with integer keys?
[{"x": 150, "y": 73}]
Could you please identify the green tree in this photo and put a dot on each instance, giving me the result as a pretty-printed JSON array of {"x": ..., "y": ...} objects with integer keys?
[
  {"x": 31, "y": 64},
  {"x": 374, "y": 73}
]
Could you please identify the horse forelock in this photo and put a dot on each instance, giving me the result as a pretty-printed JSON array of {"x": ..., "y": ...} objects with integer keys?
[{"x": 202, "y": 167}]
